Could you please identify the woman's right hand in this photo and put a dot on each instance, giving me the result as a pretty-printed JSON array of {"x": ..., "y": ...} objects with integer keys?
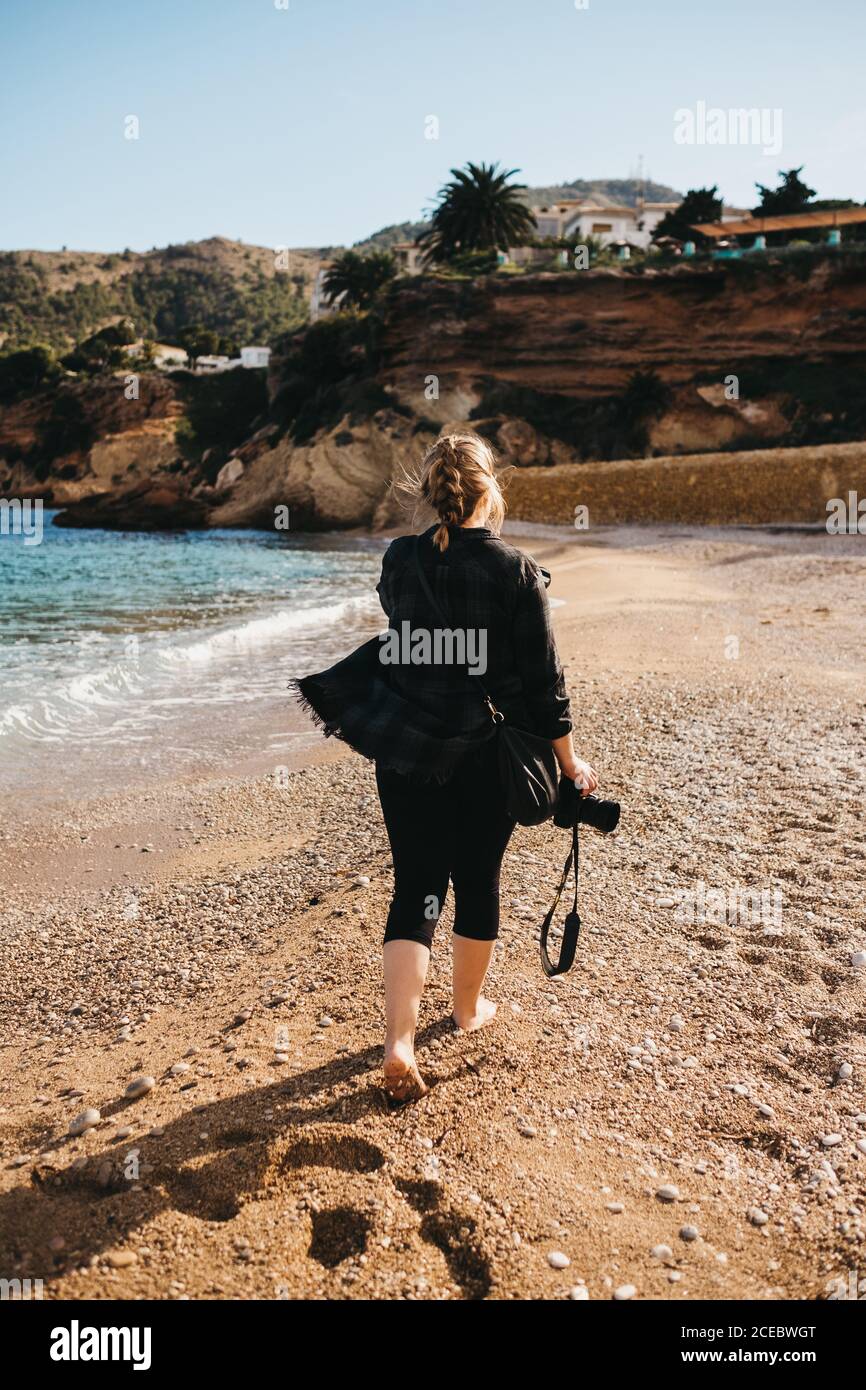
[
  {"x": 583, "y": 776},
  {"x": 573, "y": 767}
]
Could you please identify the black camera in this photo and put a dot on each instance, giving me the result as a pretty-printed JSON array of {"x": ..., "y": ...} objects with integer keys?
[{"x": 573, "y": 809}]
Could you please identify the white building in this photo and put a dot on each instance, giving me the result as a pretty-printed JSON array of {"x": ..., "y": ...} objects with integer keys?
[
  {"x": 211, "y": 364},
  {"x": 255, "y": 356},
  {"x": 250, "y": 357},
  {"x": 409, "y": 257},
  {"x": 604, "y": 222},
  {"x": 320, "y": 306},
  {"x": 578, "y": 219},
  {"x": 164, "y": 355}
]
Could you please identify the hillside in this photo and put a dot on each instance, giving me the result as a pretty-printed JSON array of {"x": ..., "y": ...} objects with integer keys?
[{"x": 60, "y": 297}]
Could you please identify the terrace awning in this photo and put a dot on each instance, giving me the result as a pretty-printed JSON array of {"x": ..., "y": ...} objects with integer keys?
[{"x": 828, "y": 217}]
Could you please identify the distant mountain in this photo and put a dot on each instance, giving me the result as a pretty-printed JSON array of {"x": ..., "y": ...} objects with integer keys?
[
  {"x": 389, "y": 236},
  {"x": 620, "y": 191},
  {"x": 60, "y": 297}
]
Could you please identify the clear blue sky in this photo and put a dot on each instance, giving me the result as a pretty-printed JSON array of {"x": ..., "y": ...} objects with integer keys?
[{"x": 305, "y": 126}]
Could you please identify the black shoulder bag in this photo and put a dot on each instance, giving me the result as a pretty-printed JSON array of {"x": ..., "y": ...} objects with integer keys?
[{"x": 527, "y": 763}]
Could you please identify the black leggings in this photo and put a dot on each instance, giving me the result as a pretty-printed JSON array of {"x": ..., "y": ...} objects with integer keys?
[{"x": 457, "y": 829}]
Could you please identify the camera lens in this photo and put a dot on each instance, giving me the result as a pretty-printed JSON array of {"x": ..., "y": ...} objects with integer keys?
[{"x": 601, "y": 815}]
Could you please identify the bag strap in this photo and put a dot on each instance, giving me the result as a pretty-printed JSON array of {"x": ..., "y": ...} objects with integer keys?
[
  {"x": 444, "y": 617},
  {"x": 425, "y": 585},
  {"x": 571, "y": 927}
]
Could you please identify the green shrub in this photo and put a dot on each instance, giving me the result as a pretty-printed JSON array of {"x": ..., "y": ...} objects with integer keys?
[
  {"x": 220, "y": 411},
  {"x": 25, "y": 371}
]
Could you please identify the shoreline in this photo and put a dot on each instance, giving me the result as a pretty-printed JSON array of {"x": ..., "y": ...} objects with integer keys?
[{"x": 647, "y": 1065}]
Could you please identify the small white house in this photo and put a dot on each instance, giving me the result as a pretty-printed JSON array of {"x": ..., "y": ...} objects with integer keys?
[
  {"x": 409, "y": 257},
  {"x": 255, "y": 356},
  {"x": 211, "y": 364},
  {"x": 164, "y": 355},
  {"x": 604, "y": 222},
  {"x": 250, "y": 357},
  {"x": 579, "y": 218},
  {"x": 551, "y": 217}
]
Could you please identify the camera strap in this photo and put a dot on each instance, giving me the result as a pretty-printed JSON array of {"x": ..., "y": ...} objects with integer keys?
[{"x": 571, "y": 926}]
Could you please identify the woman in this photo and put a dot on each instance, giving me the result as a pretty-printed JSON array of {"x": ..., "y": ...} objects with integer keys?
[{"x": 429, "y": 730}]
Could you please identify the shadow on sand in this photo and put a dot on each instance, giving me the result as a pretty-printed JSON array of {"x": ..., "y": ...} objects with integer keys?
[{"x": 214, "y": 1160}]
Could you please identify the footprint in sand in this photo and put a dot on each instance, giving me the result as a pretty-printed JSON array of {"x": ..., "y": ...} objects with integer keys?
[{"x": 240, "y": 1167}]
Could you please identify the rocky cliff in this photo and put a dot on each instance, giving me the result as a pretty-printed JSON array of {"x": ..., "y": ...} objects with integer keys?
[
  {"x": 561, "y": 369},
  {"x": 556, "y": 369}
]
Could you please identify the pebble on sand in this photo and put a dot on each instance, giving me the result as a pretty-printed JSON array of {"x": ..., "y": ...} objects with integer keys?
[
  {"x": 557, "y": 1260},
  {"x": 689, "y": 1233},
  {"x": 858, "y": 959},
  {"x": 845, "y": 1072},
  {"x": 758, "y": 1217},
  {"x": 88, "y": 1119},
  {"x": 668, "y": 1192},
  {"x": 623, "y": 1292},
  {"x": 180, "y": 1069},
  {"x": 662, "y": 1252},
  {"x": 139, "y": 1086},
  {"x": 829, "y": 1141},
  {"x": 121, "y": 1259},
  {"x": 579, "y": 1294}
]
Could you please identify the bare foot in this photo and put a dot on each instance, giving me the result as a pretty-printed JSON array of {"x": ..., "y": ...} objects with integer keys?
[
  {"x": 485, "y": 1012},
  {"x": 403, "y": 1081}
]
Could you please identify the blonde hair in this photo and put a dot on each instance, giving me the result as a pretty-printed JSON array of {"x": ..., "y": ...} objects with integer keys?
[{"x": 455, "y": 475}]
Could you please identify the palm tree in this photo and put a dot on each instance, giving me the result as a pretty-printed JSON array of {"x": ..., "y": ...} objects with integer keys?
[
  {"x": 358, "y": 278},
  {"x": 479, "y": 210}
]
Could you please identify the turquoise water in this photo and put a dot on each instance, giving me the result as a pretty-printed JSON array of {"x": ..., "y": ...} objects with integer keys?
[{"x": 133, "y": 655}]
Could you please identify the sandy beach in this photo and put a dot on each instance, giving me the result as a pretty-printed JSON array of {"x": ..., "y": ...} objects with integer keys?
[{"x": 681, "y": 1116}]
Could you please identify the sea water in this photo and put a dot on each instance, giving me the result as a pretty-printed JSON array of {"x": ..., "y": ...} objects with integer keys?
[{"x": 131, "y": 656}]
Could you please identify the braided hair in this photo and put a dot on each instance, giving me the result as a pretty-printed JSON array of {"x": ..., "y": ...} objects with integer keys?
[{"x": 456, "y": 475}]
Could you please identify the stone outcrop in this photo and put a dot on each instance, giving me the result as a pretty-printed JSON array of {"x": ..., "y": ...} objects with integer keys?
[
  {"x": 154, "y": 505},
  {"x": 341, "y": 478},
  {"x": 86, "y": 439}
]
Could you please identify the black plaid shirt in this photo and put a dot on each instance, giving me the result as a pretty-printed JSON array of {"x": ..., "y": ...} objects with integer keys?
[
  {"x": 485, "y": 584},
  {"x": 422, "y": 720}
]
